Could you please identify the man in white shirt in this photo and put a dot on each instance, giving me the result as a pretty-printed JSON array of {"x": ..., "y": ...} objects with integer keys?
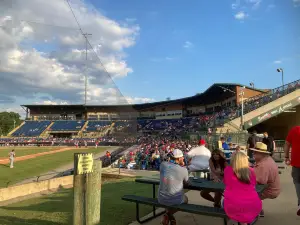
[{"x": 199, "y": 157}]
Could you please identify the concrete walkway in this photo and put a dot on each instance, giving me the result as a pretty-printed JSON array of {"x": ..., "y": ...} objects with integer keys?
[{"x": 280, "y": 211}]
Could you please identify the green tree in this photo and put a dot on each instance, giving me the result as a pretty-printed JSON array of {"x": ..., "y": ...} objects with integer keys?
[{"x": 9, "y": 120}]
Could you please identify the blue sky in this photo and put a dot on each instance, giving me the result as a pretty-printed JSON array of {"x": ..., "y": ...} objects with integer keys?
[
  {"x": 185, "y": 46},
  {"x": 152, "y": 49}
]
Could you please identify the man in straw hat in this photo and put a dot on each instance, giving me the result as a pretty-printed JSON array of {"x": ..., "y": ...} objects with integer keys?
[
  {"x": 173, "y": 175},
  {"x": 292, "y": 142},
  {"x": 266, "y": 172}
]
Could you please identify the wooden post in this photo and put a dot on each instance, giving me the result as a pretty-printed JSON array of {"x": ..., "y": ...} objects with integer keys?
[
  {"x": 87, "y": 189},
  {"x": 79, "y": 190},
  {"x": 93, "y": 194}
]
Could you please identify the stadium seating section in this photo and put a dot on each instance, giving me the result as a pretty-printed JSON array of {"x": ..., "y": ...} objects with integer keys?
[
  {"x": 31, "y": 129},
  {"x": 194, "y": 122},
  {"x": 97, "y": 125},
  {"x": 72, "y": 125}
]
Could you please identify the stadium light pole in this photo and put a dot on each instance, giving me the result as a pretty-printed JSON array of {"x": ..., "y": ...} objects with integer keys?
[
  {"x": 281, "y": 70},
  {"x": 85, "y": 77},
  {"x": 241, "y": 94}
]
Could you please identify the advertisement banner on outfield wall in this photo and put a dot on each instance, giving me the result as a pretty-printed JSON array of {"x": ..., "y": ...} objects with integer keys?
[{"x": 273, "y": 112}]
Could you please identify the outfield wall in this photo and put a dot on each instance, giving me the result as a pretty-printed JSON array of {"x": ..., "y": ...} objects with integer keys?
[
  {"x": 19, "y": 192},
  {"x": 22, "y": 190}
]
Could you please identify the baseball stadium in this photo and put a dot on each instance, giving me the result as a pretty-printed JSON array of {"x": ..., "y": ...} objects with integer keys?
[
  {"x": 222, "y": 108},
  {"x": 75, "y": 150},
  {"x": 124, "y": 137}
]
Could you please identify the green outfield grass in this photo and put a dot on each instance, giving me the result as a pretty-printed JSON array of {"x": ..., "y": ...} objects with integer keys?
[
  {"x": 41, "y": 164},
  {"x": 21, "y": 151},
  {"x": 56, "y": 209}
]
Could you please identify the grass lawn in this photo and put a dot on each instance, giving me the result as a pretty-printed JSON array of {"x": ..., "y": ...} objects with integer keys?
[
  {"x": 42, "y": 164},
  {"x": 57, "y": 208},
  {"x": 26, "y": 151}
]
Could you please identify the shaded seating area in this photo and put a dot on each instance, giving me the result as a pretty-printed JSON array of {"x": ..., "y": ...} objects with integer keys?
[
  {"x": 64, "y": 125},
  {"x": 31, "y": 129},
  {"x": 97, "y": 125}
]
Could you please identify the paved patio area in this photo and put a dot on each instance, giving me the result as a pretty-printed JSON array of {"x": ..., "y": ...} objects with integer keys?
[{"x": 280, "y": 211}]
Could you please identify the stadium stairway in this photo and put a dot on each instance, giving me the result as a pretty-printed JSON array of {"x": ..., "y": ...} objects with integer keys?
[
  {"x": 111, "y": 128},
  {"x": 265, "y": 112},
  {"x": 45, "y": 133},
  {"x": 82, "y": 129},
  {"x": 10, "y": 133}
]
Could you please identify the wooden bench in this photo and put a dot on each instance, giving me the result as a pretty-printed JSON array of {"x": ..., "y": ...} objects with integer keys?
[{"x": 189, "y": 208}]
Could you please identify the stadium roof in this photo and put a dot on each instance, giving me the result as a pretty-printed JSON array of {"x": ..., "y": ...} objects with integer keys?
[{"x": 215, "y": 93}]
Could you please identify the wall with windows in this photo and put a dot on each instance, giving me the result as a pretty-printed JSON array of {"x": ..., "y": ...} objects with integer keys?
[
  {"x": 195, "y": 110},
  {"x": 169, "y": 114}
]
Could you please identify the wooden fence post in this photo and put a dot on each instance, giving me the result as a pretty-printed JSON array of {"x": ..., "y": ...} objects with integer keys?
[
  {"x": 87, "y": 189},
  {"x": 79, "y": 192},
  {"x": 93, "y": 194}
]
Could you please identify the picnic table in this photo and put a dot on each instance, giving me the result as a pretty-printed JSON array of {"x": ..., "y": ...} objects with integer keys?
[{"x": 196, "y": 184}]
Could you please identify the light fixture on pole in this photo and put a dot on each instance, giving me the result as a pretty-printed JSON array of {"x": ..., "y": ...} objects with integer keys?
[
  {"x": 241, "y": 94},
  {"x": 281, "y": 70},
  {"x": 252, "y": 85}
]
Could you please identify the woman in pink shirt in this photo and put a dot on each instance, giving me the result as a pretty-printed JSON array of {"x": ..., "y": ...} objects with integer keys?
[{"x": 241, "y": 201}]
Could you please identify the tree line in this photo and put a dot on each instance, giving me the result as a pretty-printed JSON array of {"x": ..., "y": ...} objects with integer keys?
[{"x": 8, "y": 121}]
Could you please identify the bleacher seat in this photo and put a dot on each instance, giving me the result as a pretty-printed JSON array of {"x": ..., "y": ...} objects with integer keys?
[
  {"x": 96, "y": 125},
  {"x": 31, "y": 129},
  {"x": 67, "y": 125}
]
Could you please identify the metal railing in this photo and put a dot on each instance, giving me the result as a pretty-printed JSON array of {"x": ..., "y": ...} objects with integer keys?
[{"x": 255, "y": 102}]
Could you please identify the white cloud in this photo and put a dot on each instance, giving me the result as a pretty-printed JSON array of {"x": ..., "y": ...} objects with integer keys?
[
  {"x": 188, "y": 44},
  {"x": 241, "y": 15},
  {"x": 277, "y": 62},
  {"x": 234, "y": 6},
  {"x": 169, "y": 58},
  {"x": 49, "y": 102},
  {"x": 270, "y": 7},
  {"x": 296, "y": 3},
  {"x": 130, "y": 20},
  {"x": 255, "y": 3},
  {"x": 245, "y": 5},
  {"x": 42, "y": 52},
  {"x": 158, "y": 60},
  {"x": 16, "y": 109},
  {"x": 138, "y": 100}
]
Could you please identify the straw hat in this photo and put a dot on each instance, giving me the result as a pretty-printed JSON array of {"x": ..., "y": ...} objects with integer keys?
[{"x": 260, "y": 147}]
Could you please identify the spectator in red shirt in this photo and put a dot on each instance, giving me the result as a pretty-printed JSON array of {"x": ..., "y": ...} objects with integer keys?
[{"x": 293, "y": 142}]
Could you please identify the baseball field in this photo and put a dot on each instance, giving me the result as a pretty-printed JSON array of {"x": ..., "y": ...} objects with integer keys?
[
  {"x": 34, "y": 161},
  {"x": 57, "y": 208}
]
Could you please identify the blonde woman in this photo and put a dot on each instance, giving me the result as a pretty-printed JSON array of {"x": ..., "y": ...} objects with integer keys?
[{"x": 241, "y": 201}]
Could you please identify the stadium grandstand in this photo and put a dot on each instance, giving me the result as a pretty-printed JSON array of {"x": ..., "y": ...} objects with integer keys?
[{"x": 223, "y": 107}]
